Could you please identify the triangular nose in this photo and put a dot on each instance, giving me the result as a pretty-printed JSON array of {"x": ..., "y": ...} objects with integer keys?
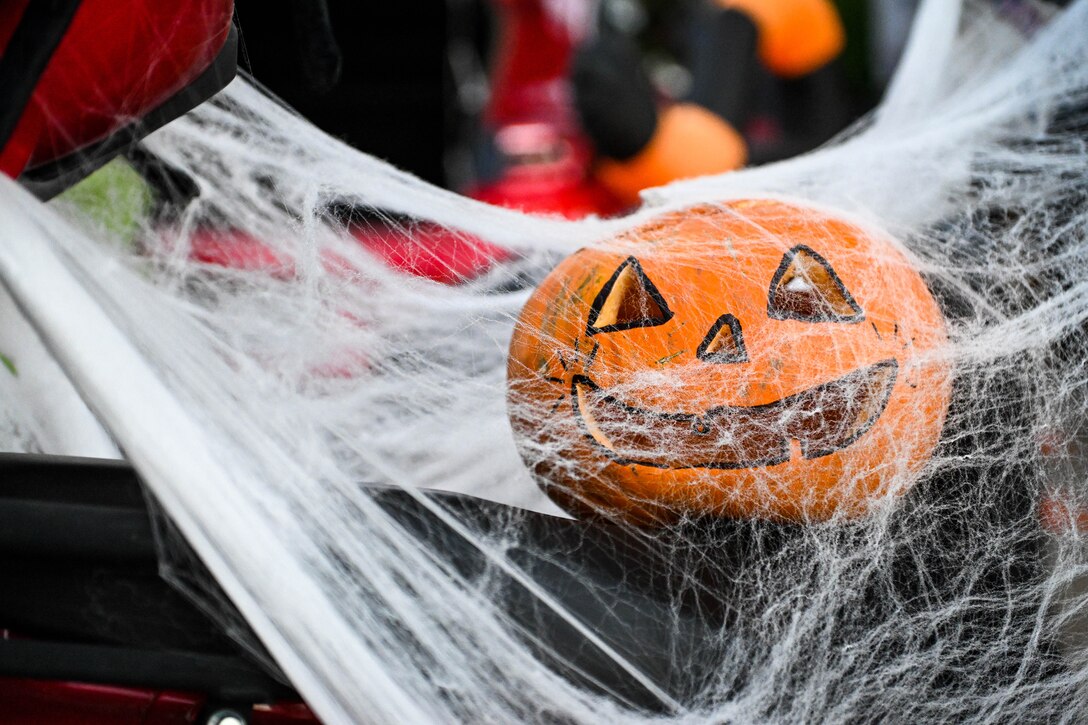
[{"x": 724, "y": 343}]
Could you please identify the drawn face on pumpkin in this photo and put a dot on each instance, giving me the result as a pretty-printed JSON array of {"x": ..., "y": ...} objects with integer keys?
[{"x": 752, "y": 359}]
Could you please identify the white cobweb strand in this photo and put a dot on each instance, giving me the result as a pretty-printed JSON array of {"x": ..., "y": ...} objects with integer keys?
[
  {"x": 371, "y": 625},
  {"x": 42, "y": 412},
  {"x": 143, "y": 413},
  {"x": 270, "y": 540}
]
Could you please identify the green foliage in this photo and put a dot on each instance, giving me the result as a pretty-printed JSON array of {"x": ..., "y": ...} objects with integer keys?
[{"x": 115, "y": 198}]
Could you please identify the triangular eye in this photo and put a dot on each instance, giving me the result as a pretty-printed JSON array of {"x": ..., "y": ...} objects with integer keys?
[
  {"x": 629, "y": 299},
  {"x": 805, "y": 287}
]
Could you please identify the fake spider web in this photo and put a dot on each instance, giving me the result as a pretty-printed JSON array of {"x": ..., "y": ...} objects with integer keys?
[{"x": 296, "y": 386}]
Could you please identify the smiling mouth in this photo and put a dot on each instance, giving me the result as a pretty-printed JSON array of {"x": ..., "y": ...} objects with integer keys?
[{"x": 822, "y": 419}]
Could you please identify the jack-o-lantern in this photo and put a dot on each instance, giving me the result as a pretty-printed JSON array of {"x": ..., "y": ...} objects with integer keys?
[{"x": 756, "y": 358}]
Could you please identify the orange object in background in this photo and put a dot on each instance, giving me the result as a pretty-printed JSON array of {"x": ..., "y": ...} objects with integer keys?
[
  {"x": 689, "y": 141},
  {"x": 763, "y": 88},
  {"x": 755, "y": 359},
  {"x": 795, "y": 36}
]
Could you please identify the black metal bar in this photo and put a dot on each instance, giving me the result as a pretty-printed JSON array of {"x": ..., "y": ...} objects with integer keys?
[
  {"x": 75, "y": 532},
  {"x": 69, "y": 480},
  {"x": 224, "y": 678}
]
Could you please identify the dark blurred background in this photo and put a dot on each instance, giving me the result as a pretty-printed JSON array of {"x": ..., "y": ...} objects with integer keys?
[
  {"x": 406, "y": 81},
  {"x": 370, "y": 72}
]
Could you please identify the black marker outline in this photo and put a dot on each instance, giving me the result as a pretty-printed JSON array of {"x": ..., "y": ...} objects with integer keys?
[
  {"x": 741, "y": 356},
  {"x": 647, "y": 285},
  {"x": 777, "y": 313}
]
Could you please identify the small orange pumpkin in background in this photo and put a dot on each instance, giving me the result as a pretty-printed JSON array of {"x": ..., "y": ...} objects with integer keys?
[{"x": 753, "y": 359}]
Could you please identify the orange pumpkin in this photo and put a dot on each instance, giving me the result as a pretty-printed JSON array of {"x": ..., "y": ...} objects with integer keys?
[{"x": 753, "y": 359}]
